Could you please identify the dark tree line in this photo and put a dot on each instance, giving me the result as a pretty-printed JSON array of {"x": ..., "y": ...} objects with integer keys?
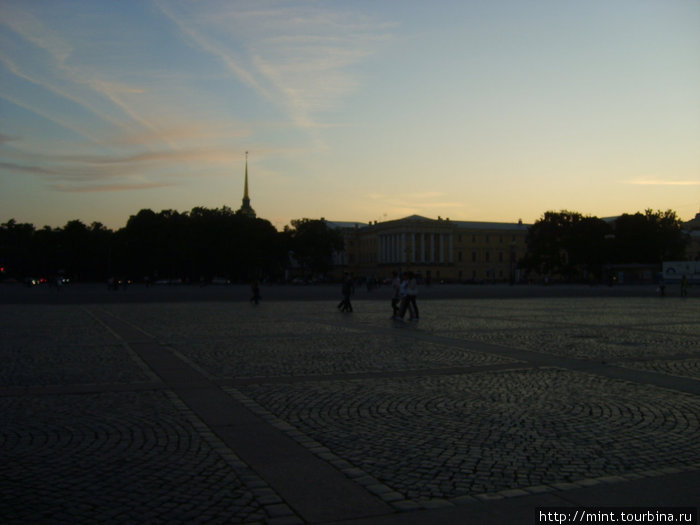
[
  {"x": 195, "y": 246},
  {"x": 203, "y": 244},
  {"x": 573, "y": 246}
]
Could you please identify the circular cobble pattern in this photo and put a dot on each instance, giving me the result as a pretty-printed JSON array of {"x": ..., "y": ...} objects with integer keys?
[
  {"x": 61, "y": 345},
  {"x": 64, "y": 324},
  {"x": 325, "y": 354},
  {"x": 547, "y": 313},
  {"x": 450, "y": 436},
  {"x": 592, "y": 343},
  {"x": 208, "y": 322},
  {"x": 113, "y": 458}
]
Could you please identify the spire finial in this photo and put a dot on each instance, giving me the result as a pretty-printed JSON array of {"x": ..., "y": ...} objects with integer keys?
[{"x": 245, "y": 207}]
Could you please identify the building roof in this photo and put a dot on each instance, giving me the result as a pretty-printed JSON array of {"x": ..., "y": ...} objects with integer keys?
[
  {"x": 471, "y": 225},
  {"x": 477, "y": 225},
  {"x": 345, "y": 224}
]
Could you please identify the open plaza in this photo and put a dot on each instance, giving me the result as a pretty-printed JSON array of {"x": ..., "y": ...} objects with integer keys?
[{"x": 191, "y": 405}]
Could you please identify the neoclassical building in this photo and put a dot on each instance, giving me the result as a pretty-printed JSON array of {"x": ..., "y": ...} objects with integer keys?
[{"x": 436, "y": 249}]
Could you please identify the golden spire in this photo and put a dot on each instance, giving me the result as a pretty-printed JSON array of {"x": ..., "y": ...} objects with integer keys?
[
  {"x": 245, "y": 206},
  {"x": 245, "y": 190}
]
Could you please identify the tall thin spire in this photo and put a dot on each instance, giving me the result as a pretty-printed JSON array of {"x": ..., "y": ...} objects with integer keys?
[
  {"x": 245, "y": 190},
  {"x": 245, "y": 206}
]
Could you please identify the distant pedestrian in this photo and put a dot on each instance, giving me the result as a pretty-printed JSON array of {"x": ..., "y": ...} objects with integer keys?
[
  {"x": 405, "y": 300},
  {"x": 395, "y": 295},
  {"x": 684, "y": 286},
  {"x": 412, "y": 292},
  {"x": 662, "y": 285},
  {"x": 255, "y": 289},
  {"x": 347, "y": 288}
]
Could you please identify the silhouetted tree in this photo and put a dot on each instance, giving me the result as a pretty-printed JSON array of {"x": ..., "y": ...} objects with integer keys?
[
  {"x": 312, "y": 243},
  {"x": 589, "y": 248},
  {"x": 651, "y": 237},
  {"x": 200, "y": 245},
  {"x": 17, "y": 249},
  {"x": 567, "y": 243}
]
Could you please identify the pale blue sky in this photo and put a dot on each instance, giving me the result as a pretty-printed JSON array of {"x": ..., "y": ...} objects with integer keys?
[{"x": 352, "y": 111}]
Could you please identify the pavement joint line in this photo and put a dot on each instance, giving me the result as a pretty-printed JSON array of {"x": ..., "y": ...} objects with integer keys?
[
  {"x": 125, "y": 345},
  {"x": 402, "y": 504},
  {"x": 363, "y": 501},
  {"x": 565, "y": 490},
  {"x": 278, "y": 507}
]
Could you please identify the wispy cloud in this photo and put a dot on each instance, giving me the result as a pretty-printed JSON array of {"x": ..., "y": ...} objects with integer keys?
[
  {"x": 48, "y": 115},
  {"x": 147, "y": 170},
  {"x": 297, "y": 57},
  {"x": 87, "y": 86},
  {"x": 110, "y": 187},
  {"x": 658, "y": 182},
  {"x": 7, "y": 138},
  {"x": 23, "y": 168}
]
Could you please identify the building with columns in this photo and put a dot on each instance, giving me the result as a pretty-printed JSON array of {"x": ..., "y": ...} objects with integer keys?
[{"x": 436, "y": 249}]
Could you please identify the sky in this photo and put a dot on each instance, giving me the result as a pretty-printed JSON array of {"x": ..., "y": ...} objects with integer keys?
[{"x": 479, "y": 110}]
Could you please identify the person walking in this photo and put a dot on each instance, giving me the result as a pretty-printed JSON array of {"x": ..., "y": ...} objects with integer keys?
[
  {"x": 662, "y": 285},
  {"x": 395, "y": 297},
  {"x": 255, "y": 289},
  {"x": 347, "y": 288},
  {"x": 412, "y": 292},
  {"x": 405, "y": 300}
]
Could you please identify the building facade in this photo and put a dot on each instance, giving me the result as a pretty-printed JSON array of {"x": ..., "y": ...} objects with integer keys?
[{"x": 436, "y": 249}]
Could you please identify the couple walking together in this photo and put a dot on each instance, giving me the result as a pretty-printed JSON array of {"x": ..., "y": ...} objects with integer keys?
[{"x": 404, "y": 298}]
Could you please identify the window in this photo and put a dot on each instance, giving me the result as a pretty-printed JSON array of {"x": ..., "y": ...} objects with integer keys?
[
  {"x": 488, "y": 257},
  {"x": 473, "y": 256},
  {"x": 500, "y": 256},
  {"x": 459, "y": 256}
]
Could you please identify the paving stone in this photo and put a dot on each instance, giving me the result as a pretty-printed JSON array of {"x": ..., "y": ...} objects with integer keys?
[{"x": 422, "y": 417}]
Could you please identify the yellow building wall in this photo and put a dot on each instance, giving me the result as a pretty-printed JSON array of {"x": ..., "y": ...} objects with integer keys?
[{"x": 461, "y": 253}]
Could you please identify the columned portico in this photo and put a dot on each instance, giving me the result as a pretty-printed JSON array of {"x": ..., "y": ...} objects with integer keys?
[
  {"x": 439, "y": 249},
  {"x": 415, "y": 247}
]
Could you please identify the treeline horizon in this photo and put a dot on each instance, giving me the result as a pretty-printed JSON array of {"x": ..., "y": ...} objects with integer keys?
[
  {"x": 576, "y": 247},
  {"x": 203, "y": 244},
  {"x": 196, "y": 246}
]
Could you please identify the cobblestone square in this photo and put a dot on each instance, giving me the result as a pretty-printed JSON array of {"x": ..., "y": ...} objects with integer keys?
[{"x": 481, "y": 400}]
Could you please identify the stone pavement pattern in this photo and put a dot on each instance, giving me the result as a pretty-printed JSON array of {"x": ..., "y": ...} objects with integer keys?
[{"x": 482, "y": 400}]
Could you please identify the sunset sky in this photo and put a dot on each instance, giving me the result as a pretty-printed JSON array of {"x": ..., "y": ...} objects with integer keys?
[{"x": 350, "y": 110}]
